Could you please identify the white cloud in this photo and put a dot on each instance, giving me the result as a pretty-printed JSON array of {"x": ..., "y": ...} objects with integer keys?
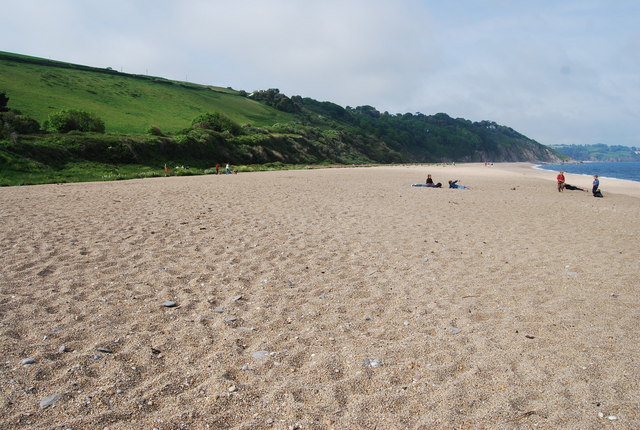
[{"x": 555, "y": 71}]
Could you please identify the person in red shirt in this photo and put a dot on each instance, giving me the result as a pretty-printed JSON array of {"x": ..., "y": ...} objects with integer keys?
[
  {"x": 560, "y": 178},
  {"x": 217, "y": 169}
]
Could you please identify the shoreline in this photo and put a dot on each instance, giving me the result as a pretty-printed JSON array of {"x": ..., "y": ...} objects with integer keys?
[
  {"x": 539, "y": 166},
  {"x": 609, "y": 185}
]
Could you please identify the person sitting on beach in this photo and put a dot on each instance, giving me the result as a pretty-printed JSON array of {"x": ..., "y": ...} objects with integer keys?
[
  {"x": 454, "y": 184},
  {"x": 431, "y": 184},
  {"x": 560, "y": 179},
  {"x": 596, "y": 185}
]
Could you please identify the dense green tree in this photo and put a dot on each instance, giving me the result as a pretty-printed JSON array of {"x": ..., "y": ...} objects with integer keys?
[
  {"x": 68, "y": 120},
  {"x": 274, "y": 98},
  {"x": 4, "y": 101},
  {"x": 11, "y": 122},
  {"x": 217, "y": 122}
]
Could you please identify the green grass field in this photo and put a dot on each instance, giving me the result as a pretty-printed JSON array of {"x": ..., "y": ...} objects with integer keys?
[{"x": 128, "y": 104}]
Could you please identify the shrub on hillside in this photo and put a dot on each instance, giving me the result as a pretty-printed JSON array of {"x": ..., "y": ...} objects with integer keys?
[
  {"x": 154, "y": 130},
  {"x": 4, "y": 100},
  {"x": 70, "y": 119},
  {"x": 217, "y": 122},
  {"x": 11, "y": 122}
]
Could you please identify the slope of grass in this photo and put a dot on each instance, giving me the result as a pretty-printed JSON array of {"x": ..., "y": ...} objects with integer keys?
[
  {"x": 283, "y": 130},
  {"x": 128, "y": 104}
]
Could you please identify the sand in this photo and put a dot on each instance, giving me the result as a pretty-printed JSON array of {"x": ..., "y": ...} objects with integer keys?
[{"x": 334, "y": 298}]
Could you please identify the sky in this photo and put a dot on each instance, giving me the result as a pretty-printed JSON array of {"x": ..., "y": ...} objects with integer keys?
[{"x": 559, "y": 72}]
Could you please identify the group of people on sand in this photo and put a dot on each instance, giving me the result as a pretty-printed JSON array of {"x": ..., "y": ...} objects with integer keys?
[
  {"x": 452, "y": 184},
  {"x": 227, "y": 170},
  {"x": 562, "y": 185}
]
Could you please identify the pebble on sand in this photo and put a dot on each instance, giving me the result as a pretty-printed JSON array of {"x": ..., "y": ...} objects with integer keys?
[
  {"x": 28, "y": 361},
  {"x": 259, "y": 355},
  {"x": 169, "y": 304},
  {"x": 48, "y": 401},
  {"x": 372, "y": 363}
]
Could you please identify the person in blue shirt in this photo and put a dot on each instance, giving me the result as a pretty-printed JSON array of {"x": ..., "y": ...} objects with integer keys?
[
  {"x": 454, "y": 184},
  {"x": 596, "y": 184}
]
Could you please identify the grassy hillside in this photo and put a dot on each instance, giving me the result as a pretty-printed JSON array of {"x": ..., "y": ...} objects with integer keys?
[
  {"x": 264, "y": 128},
  {"x": 128, "y": 104}
]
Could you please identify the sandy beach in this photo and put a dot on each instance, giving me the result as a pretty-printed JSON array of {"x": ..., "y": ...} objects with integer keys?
[{"x": 318, "y": 299}]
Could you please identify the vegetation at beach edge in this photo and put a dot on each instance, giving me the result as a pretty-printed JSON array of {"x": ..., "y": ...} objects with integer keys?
[
  {"x": 93, "y": 172},
  {"x": 62, "y": 122}
]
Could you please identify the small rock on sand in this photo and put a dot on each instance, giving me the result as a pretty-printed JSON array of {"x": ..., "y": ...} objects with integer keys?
[
  {"x": 260, "y": 355},
  {"x": 169, "y": 304},
  {"x": 48, "y": 401}
]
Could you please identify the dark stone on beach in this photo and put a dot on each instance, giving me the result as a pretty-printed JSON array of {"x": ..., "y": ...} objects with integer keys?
[
  {"x": 236, "y": 298},
  {"x": 105, "y": 350},
  {"x": 169, "y": 304},
  {"x": 155, "y": 351},
  {"x": 528, "y": 336},
  {"x": 48, "y": 401},
  {"x": 63, "y": 348},
  {"x": 27, "y": 361}
]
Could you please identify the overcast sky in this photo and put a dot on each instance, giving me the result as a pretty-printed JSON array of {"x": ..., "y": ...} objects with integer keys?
[{"x": 558, "y": 71}]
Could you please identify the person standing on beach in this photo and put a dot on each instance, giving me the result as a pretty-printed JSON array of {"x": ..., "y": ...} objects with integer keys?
[
  {"x": 560, "y": 178},
  {"x": 227, "y": 170},
  {"x": 217, "y": 168}
]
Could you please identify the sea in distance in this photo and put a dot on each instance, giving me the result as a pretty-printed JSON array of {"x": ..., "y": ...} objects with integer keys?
[{"x": 629, "y": 170}]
